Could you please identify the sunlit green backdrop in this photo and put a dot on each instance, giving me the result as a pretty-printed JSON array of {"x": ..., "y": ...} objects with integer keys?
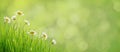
[{"x": 77, "y": 25}]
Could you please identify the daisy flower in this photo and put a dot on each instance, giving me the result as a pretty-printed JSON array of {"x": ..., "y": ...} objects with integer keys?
[
  {"x": 53, "y": 41},
  {"x": 7, "y": 19},
  {"x": 32, "y": 32},
  {"x": 13, "y": 18},
  {"x": 19, "y": 13},
  {"x": 44, "y": 35},
  {"x": 27, "y": 22}
]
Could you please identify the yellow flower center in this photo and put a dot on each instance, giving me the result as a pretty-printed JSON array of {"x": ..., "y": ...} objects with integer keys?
[
  {"x": 19, "y": 13},
  {"x": 32, "y": 33}
]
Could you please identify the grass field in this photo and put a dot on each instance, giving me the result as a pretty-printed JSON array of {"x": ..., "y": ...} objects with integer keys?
[{"x": 16, "y": 36}]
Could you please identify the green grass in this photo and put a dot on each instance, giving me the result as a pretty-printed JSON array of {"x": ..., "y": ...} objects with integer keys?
[{"x": 14, "y": 38}]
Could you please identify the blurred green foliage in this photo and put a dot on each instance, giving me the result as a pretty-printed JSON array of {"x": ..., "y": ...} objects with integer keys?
[{"x": 78, "y": 25}]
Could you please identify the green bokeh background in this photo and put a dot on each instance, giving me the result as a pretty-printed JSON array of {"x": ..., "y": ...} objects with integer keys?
[{"x": 77, "y": 25}]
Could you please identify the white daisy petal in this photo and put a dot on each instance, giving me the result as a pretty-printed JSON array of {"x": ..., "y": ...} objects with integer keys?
[{"x": 7, "y": 19}]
